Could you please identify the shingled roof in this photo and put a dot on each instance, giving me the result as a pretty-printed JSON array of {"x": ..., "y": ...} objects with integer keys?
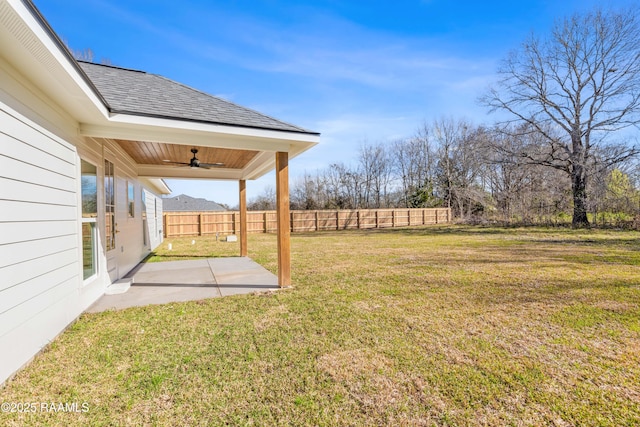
[
  {"x": 140, "y": 93},
  {"x": 186, "y": 203}
]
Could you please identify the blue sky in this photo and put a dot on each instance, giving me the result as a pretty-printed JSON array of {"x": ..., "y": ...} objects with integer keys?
[{"x": 356, "y": 71}]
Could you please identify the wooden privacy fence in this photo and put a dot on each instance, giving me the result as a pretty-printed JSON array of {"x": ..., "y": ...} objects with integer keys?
[{"x": 178, "y": 224}]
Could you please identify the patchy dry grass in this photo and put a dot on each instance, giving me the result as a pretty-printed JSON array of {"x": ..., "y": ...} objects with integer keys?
[{"x": 424, "y": 326}]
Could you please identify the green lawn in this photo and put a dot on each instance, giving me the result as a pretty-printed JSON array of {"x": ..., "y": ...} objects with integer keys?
[{"x": 423, "y": 326}]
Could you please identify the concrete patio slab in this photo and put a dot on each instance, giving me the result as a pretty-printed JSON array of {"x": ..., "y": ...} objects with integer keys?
[{"x": 177, "y": 281}]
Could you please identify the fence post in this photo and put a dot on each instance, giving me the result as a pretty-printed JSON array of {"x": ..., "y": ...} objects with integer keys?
[
  {"x": 233, "y": 223},
  {"x": 164, "y": 225},
  {"x": 174, "y": 223}
]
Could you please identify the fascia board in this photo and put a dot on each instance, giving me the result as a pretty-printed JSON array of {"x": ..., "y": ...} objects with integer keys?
[
  {"x": 156, "y": 183},
  {"x": 199, "y": 134},
  {"x": 266, "y": 162},
  {"x": 134, "y": 119},
  {"x": 49, "y": 67},
  {"x": 154, "y": 171},
  {"x": 260, "y": 165}
]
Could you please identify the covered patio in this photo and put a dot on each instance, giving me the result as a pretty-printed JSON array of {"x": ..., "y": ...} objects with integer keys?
[
  {"x": 192, "y": 280},
  {"x": 172, "y": 131}
]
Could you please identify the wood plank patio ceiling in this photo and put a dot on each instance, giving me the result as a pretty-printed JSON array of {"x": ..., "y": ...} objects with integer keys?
[{"x": 153, "y": 153}]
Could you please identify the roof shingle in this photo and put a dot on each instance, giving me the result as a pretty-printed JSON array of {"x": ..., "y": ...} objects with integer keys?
[
  {"x": 184, "y": 203},
  {"x": 137, "y": 92}
]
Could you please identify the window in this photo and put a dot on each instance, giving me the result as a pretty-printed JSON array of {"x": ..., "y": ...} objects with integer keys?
[
  {"x": 155, "y": 212},
  {"x": 89, "y": 185},
  {"x": 145, "y": 239},
  {"x": 131, "y": 199},
  {"x": 109, "y": 206}
]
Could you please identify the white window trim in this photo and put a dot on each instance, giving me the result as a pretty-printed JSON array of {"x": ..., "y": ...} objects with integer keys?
[
  {"x": 131, "y": 215},
  {"x": 94, "y": 221}
]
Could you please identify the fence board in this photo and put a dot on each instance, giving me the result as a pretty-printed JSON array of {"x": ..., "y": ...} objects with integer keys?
[{"x": 178, "y": 224}]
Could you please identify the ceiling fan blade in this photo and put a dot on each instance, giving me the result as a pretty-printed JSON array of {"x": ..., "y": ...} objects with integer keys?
[
  {"x": 176, "y": 163},
  {"x": 195, "y": 163}
]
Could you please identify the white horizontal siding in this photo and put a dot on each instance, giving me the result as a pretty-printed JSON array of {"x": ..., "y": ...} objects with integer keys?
[
  {"x": 21, "y": 343},
  {"x": 31, "y": 308},
  {"x": 14, "y": 253},
  {"x": 33, "y": 211},
  {"x": 36, "y": 289},
  {"x": 28, "y": 154},
  {"x": 40, "y": 265},
  {"x": 14, "y": 232},
  {"x": 18, "y": 274},
  {"x": 29, "y": 192},
  {"x": 12, "y": 168},
  {"x": 17, "y": 128},
  {"x": 154, "y": 223}
]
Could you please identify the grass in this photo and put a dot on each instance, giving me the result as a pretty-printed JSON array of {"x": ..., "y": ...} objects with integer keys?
[{"x": 445, "y": 326}]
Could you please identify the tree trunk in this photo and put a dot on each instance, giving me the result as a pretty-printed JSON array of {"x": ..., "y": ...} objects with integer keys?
[{"x": 579, "y": 189}]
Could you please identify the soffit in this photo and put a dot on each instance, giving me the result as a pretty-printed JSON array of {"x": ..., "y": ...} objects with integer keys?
[{"x": 153, "y": 153}]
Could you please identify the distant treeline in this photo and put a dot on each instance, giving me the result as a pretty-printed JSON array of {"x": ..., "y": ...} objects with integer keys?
[{"x": 482, "y": 173}]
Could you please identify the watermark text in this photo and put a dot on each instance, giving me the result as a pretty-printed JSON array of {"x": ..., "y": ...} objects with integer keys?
[{"x": 41, "y": 407}]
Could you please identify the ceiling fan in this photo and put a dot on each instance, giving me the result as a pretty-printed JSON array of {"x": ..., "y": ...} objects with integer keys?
[{"x": 195, "y": 163}]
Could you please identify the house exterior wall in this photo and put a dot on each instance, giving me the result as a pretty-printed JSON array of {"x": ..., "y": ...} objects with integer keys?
[
  {"x": 154, "y": 218},
  {"x": 41, "y": 270}
]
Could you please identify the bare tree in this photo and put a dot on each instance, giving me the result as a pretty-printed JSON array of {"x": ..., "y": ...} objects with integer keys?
[
  {"x": 86, "y": 55},
  {"x": 459, "y": 165},
  {"x": 413, "y": 162},
  {"x": 522, "y": 190},
  {"x": 83, "y": 55},
  {"x": 266, "y": 201},
  {"x": 575, "y": 88},
  {"x": 307, "y": 193},
  {"x": 343, "y": 185},
  {"x": 375, "y": 169}
]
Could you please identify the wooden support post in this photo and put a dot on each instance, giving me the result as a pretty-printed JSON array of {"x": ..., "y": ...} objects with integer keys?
[
  {"x": 233, "y": 222},
  {"x": 282, "y": 203},
  {"x": 242, "y": 185},
  {"x": 200, "y": 224},
  {"x": 164, "y": 225}
]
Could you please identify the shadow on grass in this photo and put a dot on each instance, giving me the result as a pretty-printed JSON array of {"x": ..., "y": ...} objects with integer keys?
[
  {"x": 474, "y": 230},
  {"x": 153, "y": 257}
]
